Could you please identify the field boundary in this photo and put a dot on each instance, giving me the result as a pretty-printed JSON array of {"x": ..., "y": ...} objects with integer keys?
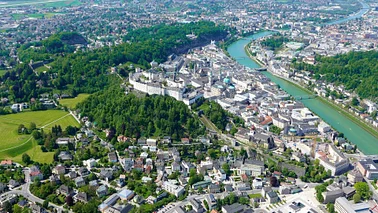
[
  {"x": 27, "y": 141},
  {"x": 44, "y": 126}
]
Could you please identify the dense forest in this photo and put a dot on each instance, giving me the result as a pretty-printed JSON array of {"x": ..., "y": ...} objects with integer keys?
[
  {"x": 357, "y": 71},
  {"x": 135, "y": 117},
  {"x": 217, "y": 115},
  {"x": 84, "y": 72}
]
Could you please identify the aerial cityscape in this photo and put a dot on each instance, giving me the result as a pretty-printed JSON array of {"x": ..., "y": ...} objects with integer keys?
[{"x": 184, "y": 106}]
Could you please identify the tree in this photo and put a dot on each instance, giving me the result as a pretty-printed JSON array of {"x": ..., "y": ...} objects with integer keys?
[
  {"x": 226, "y": 169},
  {"x": 45, "y": 204},
  {"x": 331, "y": 207},
  {"x": 363, "y": 190},
  {"x": 26, "y": 159},
  {"x": 36, "y": 135},
  {"x": 69, "y": 200},
  {"x": 7, "y": 207},
  {"x": 274, "y": 181},
  {"x": 32, "y": 126},
  {"x": 355, "y": 101},
  {"x": 356, "y": 198}
]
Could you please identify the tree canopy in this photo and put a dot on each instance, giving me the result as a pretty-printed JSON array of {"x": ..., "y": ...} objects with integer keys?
[
  {"x": 136, "y": 117},
  {"x": 357, "y": 71}
]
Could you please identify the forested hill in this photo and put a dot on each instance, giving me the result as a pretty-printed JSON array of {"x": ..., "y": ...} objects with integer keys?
[
  {"x": 357, "y": 71},
  {"x": 58, "y": 43},
  {"x": 136, "y": 117},
  {"x": 85, "y": 72}
]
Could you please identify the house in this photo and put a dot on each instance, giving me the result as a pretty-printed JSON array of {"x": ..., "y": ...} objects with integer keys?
[
  {"x": 35, "y": 173},
  {"x": 37, "y": 209},
  {"x": 331, "y": 196},
  {"x": 64, "y": 190},
  {"x": 59, "y": 170},
  {"x": 106, "y": 174},
  {"x": 81, "y": 197},
  {"x": 234, "y": 208},
  {"x": 79, "y": 181},
  {"x": 263, "y": 140},
  {"x": 197, "y": 206},
  {"x": 175, "y": 166},
  {"x": 166, "y": 139},
  {"x": 252, "y": 167},
  {"x": 284, "y": 190},
  {"x": 6, "y": 163},
  {"x": 102, "y": 191},
  {"x": 185, "y": 141},
  {"x": 64, "y": 156},
  {"x": 151, "y": 142},
  {"x": 214, "y": 188},
  {"x": 272, "y": 197},
  {"x": 126, "y": 194},
  {"x": 90, "y": 163},
  {"x": 22, "y": 203},
  {"x": 113, "y": 157},
  {"x": 13, "y": 184},
  {"x": 83, "y": 171},
  {"x": 142, "y": 141},
  {"x": 173, "y": 189},
  {"x": 93, "y": 183},
  {"x": 72, "y": 175},
  {"x": 368, "y": 168},
  {"x": 201, "y": 184},
  {"x": 63, "y": 141},
  {"x": 265, "y": 191},
  {"x": 257, "y": 183}
]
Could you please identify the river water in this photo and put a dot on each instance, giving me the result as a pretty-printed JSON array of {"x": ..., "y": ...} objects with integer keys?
[{"x": 365, "y": 142}]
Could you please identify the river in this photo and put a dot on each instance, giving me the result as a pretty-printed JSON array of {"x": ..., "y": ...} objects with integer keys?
[
  {"x": 365, "y": 142},
  {"x": 365, "y": 8}
]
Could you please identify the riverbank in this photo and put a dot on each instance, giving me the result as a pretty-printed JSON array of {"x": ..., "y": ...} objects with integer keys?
[
  {"x": 341, "y": 110},
  {"x": 253, "y": 58}
]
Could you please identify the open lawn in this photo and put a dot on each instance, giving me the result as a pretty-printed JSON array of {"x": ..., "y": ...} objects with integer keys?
[
  {"x": 12, "y": 144},
  {"x": 36, "y": 154},
  {"x": 41, "y": 69},
  {"x": 72, "y": 102},
  {"x": 40, "y": 3},
  {"x": 254, "y": 195}
]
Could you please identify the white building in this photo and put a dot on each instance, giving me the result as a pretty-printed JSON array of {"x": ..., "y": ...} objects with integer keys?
[
  {"x": 333, "y": 160},
  {"x": 173, "y": 189},
  {"x": 342, "y": 205}
]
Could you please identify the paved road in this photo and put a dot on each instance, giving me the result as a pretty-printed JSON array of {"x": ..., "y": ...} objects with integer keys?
[{"x": 24, "y": 190}]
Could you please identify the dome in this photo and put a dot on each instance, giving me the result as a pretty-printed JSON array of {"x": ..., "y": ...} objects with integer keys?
[{"x": 226, "y": 80}]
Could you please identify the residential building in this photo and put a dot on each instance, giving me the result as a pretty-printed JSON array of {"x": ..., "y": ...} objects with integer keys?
[{"x": 173, "y": 189}]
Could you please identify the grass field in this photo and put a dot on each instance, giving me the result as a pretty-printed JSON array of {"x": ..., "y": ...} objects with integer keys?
[
  {"x": 41, "y": 69},
  {"x": 2, "y": 72},
  {"x": 40, "y": 3},
  {"x": 72, "y": 102},
  {"x": 13, "y": 144},
  {"x": 33, "y": 15},
  {"x": 35, "y": 154}
]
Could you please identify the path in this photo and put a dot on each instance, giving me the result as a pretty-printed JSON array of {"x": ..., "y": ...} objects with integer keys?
[
  {"x": 28, "y": 140},
  {"x": 55, "y": 120},
  {"x": 17, "y": 145}
]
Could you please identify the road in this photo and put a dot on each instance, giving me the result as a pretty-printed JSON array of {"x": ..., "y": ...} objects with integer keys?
[
  {"x": 24, "y": 190},
  {"x": 375, "y": 194}
]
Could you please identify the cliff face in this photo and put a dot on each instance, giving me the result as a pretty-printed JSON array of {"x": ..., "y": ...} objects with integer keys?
[{"x": 200, "y": 41}]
